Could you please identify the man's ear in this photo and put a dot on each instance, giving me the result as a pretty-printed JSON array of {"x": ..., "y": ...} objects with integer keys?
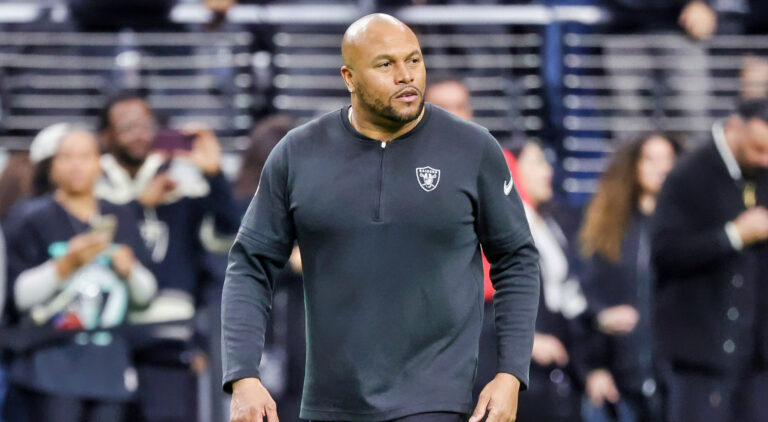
[{"x": 346, "y": 74}]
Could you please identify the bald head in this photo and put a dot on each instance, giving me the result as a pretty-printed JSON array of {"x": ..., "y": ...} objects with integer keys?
[
  {"x": 367, "y": 29},
  {"x": 383, "y": 70}
]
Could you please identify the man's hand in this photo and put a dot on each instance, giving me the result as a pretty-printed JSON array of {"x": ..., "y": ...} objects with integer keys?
[
  {"x": 498, "y": 399},
  {"x": 601, "y": 387},
  {"x": 617, "y": 320},
  {"x": 206, "y": 151},
  {"x": 122, "y": 260},
  {"x": 698, "y": 20},
  {"x": 752, "y": 225},
  {"x": 251, "y": 402},
  {"x": 156, "y": 190},
  {"x": 547, "y": 349}
]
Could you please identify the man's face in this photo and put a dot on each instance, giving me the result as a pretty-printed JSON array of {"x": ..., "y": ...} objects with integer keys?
[
  {"x": 452, "y": 96},
  {"x": 389, "y": 76},
  {"x": 132, "y": 130},
  {"x": 752, "y": 151}
]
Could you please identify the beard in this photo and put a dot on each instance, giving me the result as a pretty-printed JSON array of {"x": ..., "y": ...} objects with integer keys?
[
  {"x": 127, "y": 158},
  {"x": 386, "y": 111}
]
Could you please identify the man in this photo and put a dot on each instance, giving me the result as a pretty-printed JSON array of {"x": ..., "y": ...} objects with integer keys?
[
  {"x": 176, "y": 196},
  {"x": 389, "y": 200},
  {"x": 451, "y": 94},
  {"x": 710, "y": 250}
]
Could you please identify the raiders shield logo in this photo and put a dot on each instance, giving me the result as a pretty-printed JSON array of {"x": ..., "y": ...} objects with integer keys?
[{"x": 428, "y": 178}]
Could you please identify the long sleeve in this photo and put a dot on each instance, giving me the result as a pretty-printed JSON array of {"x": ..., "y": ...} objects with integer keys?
[
  {"x": 221, "y": 213},
  {"x": 35, "y": 285},
  {"x": 507, "y": 243},
  {"x": 32, "y": 274},
  {"x": 682, "y": 246},
  {"x": 221, "y": 203},
  {"x": 142, "y": 284},
  {"x": 261, "y": 249},
  {"x": 599, "y": 283}
]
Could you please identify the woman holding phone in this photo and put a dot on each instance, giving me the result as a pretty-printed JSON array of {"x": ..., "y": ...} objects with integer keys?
[{"x": 76, "y": 263}]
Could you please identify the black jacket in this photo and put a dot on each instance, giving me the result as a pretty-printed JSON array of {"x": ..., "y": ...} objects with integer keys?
[
  {"x": 710, "y": 298},
  {"x": 390, "y": 239},
  {"x": 626, "y": 282}
]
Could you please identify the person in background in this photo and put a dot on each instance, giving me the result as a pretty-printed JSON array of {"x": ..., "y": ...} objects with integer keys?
[
  {"x": 450, "y": 93},
  {"x": 76, "y": 263},
  {"x": 176, "y": 178},
  {"x": 621, "y": 383},
  {"x": 21, "y": 182},
  {"x": 284, "y": 351},
  {"x": 264, "y": 136},
  {"x": 710, "y": 250},
  {"x": 753, "y": 78},
  {"x": 554, "y": 391}
]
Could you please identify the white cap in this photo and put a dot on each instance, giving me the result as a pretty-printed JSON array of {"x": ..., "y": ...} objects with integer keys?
[{"x": 46, "y": 143}]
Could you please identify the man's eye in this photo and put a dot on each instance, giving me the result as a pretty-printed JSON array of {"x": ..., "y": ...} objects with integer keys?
[
  {"x": 415, "y": 60},
  {"x": 384, "y": 65}
]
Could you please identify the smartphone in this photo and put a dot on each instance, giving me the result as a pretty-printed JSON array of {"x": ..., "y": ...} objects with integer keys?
[
  {"x": 171, "y": 140},
  {"x": 104, "y": 224}
]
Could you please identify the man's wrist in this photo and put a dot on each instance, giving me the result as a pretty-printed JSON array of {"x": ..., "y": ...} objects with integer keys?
[
  {"x": 246, "y": 381},
  {"x": 509, "y": 377}
]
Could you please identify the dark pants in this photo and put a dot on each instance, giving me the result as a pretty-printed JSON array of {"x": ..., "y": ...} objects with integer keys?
[
  {"x": 44, "y": 407},
  {"x": 632, "y": 407},
  {"x": 431, "y": 417},
  {"x": 166, "y": 394},
  {"x": 695, "y": 397}
]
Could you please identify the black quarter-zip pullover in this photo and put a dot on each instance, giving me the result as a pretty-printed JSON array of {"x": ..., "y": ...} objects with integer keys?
[{"x": 390, "y": 237}]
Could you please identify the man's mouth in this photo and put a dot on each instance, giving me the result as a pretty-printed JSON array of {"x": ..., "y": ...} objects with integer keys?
[{"x": 407, "y": 95}]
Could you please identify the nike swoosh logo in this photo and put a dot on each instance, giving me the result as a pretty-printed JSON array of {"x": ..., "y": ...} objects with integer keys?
[{"x": 508, "y": 186}]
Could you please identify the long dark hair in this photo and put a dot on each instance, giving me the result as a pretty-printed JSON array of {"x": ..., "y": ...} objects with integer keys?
[
  {"x": 610, "y": 211},
  {"x": 264, "y": 136},
  {"x": 16, "y": 181}
]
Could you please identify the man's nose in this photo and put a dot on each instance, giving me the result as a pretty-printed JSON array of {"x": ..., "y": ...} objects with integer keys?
[{"x": 403, "y": 75}]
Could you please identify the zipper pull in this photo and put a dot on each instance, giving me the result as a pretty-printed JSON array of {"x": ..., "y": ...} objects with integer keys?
[{"x": 383, "y": 145}]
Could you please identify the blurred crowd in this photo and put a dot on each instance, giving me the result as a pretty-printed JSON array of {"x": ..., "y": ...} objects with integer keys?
[{"x": 113, "y": 244}]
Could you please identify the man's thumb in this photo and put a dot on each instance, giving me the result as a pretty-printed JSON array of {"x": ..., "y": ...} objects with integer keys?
[{"x": 482, "y": 404}]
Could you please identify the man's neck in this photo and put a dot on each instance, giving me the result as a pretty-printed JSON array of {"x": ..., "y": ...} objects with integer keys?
[
  {"x": 83, "y": 206},
  {"x": 380, "y": 130}
]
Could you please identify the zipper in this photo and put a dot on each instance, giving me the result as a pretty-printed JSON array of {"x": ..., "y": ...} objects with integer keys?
[{"x": 381, "y": 181}]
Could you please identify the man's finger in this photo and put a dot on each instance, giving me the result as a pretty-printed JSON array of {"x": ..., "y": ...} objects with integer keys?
[
  {"x": 482, "y": 404},
  {"x": 494, "y": 415},
  {"x": 272, "y": 413}
]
